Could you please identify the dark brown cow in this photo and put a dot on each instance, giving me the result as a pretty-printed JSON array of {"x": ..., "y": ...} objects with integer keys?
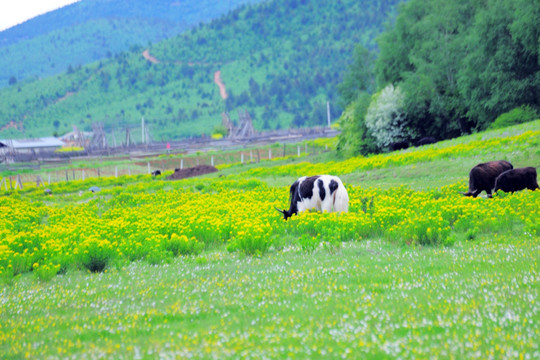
[
  {"x": 482, "y": 176},
  {"x": 400, "y": 145},
  {"x": 426, "y": 141},
  {"x": 517, "y": 179}
]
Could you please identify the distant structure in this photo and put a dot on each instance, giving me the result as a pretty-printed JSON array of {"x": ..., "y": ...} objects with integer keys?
[
  {"x": 27, "y": 149},
  {"x": 99, "y": 138},
  {"x": 245, "y": 125},
  {"x": 76, "y": 138}
]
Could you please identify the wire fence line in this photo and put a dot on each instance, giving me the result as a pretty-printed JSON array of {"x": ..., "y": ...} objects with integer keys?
[{"x": 50, "y": 175}]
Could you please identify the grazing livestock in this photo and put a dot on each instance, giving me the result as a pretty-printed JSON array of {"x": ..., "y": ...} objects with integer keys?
[
  {"x": 482, "y": 177},
  {"x": 400, "y": 145},
  {"x": 320, "y": 192},
  {"x": 156, "y": 173},
  {"x": 517, "y": 179},
  {"x": 426, "y": 141}
]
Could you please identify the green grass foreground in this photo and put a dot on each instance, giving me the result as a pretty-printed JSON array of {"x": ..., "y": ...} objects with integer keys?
[
  {"x": 380, "y": 294},
  {"x": 366, "y": 300}
]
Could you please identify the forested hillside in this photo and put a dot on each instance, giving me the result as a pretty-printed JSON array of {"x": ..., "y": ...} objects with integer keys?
[
  {"x": 91, "y": 30},
  {"x": 445, "y": 68},
  {"x": 280, "y": 60}
]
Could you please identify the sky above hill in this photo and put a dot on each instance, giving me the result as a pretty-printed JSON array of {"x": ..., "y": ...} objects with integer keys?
[{"x": 15, "y": 12}]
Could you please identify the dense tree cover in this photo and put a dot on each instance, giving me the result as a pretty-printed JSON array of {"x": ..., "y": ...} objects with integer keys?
[
  {"x": 281, "y": 60},
  {"x": 460, "y": 64},
  {"x": 87, "y": 31}
]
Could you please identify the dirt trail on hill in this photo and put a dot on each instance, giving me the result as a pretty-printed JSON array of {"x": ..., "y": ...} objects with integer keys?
[
  {"x": 217, "y": 74},
  {"x": 147, "y": 56},
  {"x": 220, "y": 84}
]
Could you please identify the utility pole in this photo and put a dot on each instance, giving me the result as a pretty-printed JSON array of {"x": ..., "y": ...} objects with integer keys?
[
  {"x": 142, "y": 130},
  {"x": 328, "y": 112}
]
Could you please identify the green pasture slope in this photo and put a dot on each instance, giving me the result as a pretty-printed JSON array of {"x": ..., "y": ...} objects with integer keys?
[{"x": 372, "y": 298}]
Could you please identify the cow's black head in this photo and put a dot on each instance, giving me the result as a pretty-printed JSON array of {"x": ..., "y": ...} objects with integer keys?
[{"x": 286, "y": 213}]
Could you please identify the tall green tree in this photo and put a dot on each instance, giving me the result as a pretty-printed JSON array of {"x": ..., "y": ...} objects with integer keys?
[
  {"x": 427, "y": 63},
  {"x": 502, "y": 69},
  {"x": 355, "y": 138},
  {"x": 355, "y": 94},
  {"x": 461, "y": 63},
  {"x": 360, "y": 76}
]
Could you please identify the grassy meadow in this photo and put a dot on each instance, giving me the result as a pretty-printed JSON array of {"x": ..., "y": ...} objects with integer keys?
[{"x": 206, "y": 268}]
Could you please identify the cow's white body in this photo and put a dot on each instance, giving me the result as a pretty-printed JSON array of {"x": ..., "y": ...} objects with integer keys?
[
  {"x": 337, "y": 201},
  {"x": 325, "y": 193}
]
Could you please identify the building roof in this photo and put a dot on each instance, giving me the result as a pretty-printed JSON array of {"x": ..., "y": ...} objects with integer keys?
[{"x": 46, "y": 142}]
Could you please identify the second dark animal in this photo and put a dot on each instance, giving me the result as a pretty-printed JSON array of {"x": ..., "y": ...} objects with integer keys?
[
  {"x": 517, "y": 179},
  {"x": 482, "y": 176}
]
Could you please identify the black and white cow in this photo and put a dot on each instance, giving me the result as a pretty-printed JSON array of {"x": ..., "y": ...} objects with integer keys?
[{"x": 320, "y": 192}]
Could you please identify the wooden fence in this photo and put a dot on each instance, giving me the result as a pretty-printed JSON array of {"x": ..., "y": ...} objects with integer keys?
[{"x": 143, "y": 166}]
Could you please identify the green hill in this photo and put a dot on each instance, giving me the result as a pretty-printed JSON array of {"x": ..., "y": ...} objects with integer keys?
[
  {"x": 280, "y": 60},
  {"x": 92, "y": 30}
]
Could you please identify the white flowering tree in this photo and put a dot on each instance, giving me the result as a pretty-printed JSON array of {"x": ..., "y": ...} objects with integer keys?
[{"x": 386, "y": 117}]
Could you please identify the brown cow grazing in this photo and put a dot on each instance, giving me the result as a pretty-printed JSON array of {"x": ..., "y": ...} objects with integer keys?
[
  {"x": 482, "y": 177},
  {"x": 400, "y": 145},
  {"x": 517, "y": 179},
  {"x": 426, "y": 141}
]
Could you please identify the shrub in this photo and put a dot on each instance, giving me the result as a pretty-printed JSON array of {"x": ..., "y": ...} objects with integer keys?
[
  {"x": 519, "y": 115},
  {"x": 46, "y": 272},
  {"x": 182, "y": 245},
  {"x": 95, "y": 254},
  {"x": 256, "y": 244},
  {"x": 386, "y": 117},
  {"x": 355, "y": 138},
  {"x": 309, "y": 243}
]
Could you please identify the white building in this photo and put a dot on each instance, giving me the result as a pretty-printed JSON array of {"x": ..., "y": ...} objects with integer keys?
[{"x": 12, "y": 147}]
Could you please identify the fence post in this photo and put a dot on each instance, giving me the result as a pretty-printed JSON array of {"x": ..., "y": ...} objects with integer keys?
[
  {"x": 181, "y": 164},
  {"x": 67, "y": 177},
  {"x": 149, "y": 171},
  {"x": 284, "y": 150},
  {"x": 298, "y": 150},
  {"x": 251, "y": 156},
  {"x": 116, "y": 171},
  {"x": 49, "y": 180},
  {"x": 269, "y": 154},
  {"x": 19, "y": 182},
  {"x": 242, "y": 158},
  {"x": 83, "y": 174},
  {"x": 98, "y": 173},
  {"x": 212, "y": 160}
]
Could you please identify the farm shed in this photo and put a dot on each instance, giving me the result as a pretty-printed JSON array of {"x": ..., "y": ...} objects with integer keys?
[
  {"x": 9, "y": 149},
  {"x": 32, "y": 145}
]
